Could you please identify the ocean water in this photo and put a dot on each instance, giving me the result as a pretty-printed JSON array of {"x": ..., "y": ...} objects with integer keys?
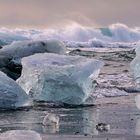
[{"x": 75, "y": 35}]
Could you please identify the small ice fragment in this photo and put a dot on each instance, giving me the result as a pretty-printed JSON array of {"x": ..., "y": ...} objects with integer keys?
[{"x": 51, "y": 119}]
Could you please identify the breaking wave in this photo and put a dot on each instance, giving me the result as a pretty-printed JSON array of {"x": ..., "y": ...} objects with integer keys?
[{"x": 75, "y": 35}]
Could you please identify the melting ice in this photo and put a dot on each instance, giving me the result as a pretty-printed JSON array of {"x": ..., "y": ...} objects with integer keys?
[
  {"x": 11, "y": 94},
  {"x": 59, "y": 78}
]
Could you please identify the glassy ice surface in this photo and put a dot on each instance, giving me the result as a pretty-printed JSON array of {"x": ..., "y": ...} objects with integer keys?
[
  {"x": 59, "y": 78},
  {"x": 135, "y": 68},
  {"x": 135, "y": 64},
  {"x": 11, "y": 94}
]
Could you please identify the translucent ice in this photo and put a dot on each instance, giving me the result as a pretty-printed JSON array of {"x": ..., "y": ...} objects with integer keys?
[
  {"x": 20, "y": 135},
  {"x": 135, "y": 64},
  {"x": 51, "y": 119},
  {"x": 11, "y": 94},
  {"x": 135, "y": 67},
  {"x": 11, "y": 55},
  {"x": 59, "y": 78},
  {"x": 27, "y": 48}
]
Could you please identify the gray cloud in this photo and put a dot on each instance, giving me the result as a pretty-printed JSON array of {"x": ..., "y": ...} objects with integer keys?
[{"x": 45, "y": 13}]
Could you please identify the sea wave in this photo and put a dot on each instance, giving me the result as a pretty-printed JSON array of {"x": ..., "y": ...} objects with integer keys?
[{"x": 75, "y": 35}]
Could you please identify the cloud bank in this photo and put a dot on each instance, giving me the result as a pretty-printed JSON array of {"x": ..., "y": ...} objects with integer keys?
[{"x": 54, "y": 13}]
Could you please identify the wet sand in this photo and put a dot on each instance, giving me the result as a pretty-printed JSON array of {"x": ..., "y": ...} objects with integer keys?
[
  {"x": 119, "y": 112},
  {"x": 115, "y": 78}
]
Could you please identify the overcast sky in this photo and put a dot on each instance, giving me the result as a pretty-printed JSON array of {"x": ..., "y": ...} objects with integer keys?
[{"x": 46, "y": 13}]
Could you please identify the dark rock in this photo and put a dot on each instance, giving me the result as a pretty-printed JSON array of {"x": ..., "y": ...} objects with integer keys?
[
  {"x": 43, "y": 43},
  {"x": 76, "y": 133},
  {"x": 85, "y": 134},
  {"x": 10, "y": 67},
  {"x": 101, "y": 127},
  {"x": 14, "y": 67}
]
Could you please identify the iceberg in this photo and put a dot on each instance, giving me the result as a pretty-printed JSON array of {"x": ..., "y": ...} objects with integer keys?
[
  {"x": 20, "y": 135},
  {"x": 59, "y": 78},
  {"x": 26, "y": 48},
  {"x": 11, "y": 94}
]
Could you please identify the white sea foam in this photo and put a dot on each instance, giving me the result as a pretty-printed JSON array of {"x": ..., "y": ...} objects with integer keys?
[{"x": 75, "y": 35}]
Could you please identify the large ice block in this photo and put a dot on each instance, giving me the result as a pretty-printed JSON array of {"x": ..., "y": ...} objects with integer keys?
[
  {"x": 59, "y": 78},
  {"x": 27, "y": 48},
  {"x": 11, "y": 94}
]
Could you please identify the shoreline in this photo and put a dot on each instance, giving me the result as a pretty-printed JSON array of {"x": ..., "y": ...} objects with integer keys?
[
  {"x": 115, "y": 106},
  {"x": 124, "y": 108}
]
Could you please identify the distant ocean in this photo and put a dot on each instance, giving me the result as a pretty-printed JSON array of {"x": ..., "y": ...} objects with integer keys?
[{"x": 75, "y": 35}]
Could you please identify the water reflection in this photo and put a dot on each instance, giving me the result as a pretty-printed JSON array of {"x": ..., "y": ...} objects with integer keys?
[
  {"x": 137, "y": 128},
  {"x": 90, "y": 121},
  {"x": 122, "y": 120},
  {"x": 52, "y": 129},
  {"x": 72, "y": 121}
]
